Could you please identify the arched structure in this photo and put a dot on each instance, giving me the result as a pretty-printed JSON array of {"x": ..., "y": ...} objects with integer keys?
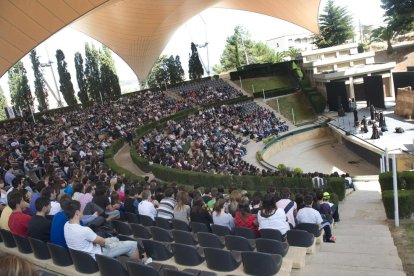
[{"x": 137, "y": 30}]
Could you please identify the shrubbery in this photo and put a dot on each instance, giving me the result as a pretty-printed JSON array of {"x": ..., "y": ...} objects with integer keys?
[
  {"x": 405, "y": 203},
  {"x": 405, "y": 180}
]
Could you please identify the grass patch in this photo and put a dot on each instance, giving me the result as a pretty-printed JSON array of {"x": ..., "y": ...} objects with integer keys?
[
  {"x": 266, "y": 83},
  {"x": 409, "y": 229},
  {"x": 301, "y": 107}
]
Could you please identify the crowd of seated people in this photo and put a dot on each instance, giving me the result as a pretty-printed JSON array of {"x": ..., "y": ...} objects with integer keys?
[{"x": 211, "y": 141}]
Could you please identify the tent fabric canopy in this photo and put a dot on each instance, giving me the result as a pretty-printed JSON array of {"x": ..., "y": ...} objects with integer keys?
[{"x": 136, "y": 30}]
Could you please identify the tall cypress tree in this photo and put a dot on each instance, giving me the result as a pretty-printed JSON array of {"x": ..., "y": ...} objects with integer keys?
[
  {"x": 39, "y": 83},
  {"x": 92, "y": 73},
  {"x": 66, "y": 86},
  {"x": 109, "y": 77},
  {"x": 20, "y": 93},
  {"x": 3, "y": 105},
  {"x": 195, "y": 68},
  {"x": 80, "y": 77}
]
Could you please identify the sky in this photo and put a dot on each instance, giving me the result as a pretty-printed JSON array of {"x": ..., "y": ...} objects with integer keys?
[{"x": 212, "y": 25}]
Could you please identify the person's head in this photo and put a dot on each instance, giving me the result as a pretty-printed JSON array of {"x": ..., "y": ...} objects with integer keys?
[
  {"x": 269, "y": 203},
  {"x": 117, "y": 186},
  {"x": 78, "y": 187},
  {"x": 169, "y": 192},
  {"x": 40, "y": 185},
  {"x": 219, "y": 205},
  {"x": 308, "y": 200},
  {"x": 207, "y": 190},
  {"x": 43, "y": 205},
  {"x": 101, "y": 190},
  {"x": 17, "y": 182},
  {"x": 182, "y": 199},
  {"x": 198, "y": 202},
  {"x": 12, "y": 265},
  {"x": 285, "y": 192},
  {"x": 244, "y": 207},
  {"x": 14, "y": 199},
  {"x": 326, "y": 196},
  {"x": 72, "y": 209},
  {"x": 235, "y": 196},
  {"x": 319, "y": 195},
  {"x": 146, "y": 195},
  {"x": 64, "y": 199},
  {"x": 48, "y": 192}
]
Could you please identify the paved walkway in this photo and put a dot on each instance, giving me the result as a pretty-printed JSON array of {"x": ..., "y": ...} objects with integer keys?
[
  {"x": 364, "y": 243},
  {"x": 123, "y": 159}
]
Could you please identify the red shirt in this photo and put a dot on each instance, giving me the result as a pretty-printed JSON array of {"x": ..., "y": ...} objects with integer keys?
[
  {"x": 19, "y": 224},
  {"x": 247, "y": 222}
]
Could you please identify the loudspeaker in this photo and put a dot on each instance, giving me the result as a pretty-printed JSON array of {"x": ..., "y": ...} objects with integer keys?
[{"x": 399, "y": 130}]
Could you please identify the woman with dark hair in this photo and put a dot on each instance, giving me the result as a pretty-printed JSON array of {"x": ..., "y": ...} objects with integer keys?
[
  {"x": 271, "y": 217},
  {"x": 220, "y": 217},
  {"x": 199, "y": 212},
  {"x": 244, "y": 217}
]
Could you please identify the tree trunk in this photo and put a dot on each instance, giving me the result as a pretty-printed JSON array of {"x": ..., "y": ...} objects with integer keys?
[{"x": 389, "y": 48}]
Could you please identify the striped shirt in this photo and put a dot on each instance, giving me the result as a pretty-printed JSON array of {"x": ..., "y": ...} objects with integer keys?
[{"x": 166, "y": 209}]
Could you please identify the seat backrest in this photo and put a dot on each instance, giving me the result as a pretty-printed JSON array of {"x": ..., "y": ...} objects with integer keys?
[
  {"x": 186, "y": 254},
  {"x": 209, "y": 240},
  {"x": 84, "y": 263},
  {"x": 257, "y": 263},
  {"x": 122, "y": 227},
  {"x": 160, "y": 234},
  {"x": 220, "y": 230},
  {"x": 300, "y": 238},
  {"x": 174, "y": 272},
  {"x": 163, "y": 223},
  {"x": 140, "y": 231},
  {"x": 60, "y": 255},
  {"x": 184, "y": 237},
  {"x": 199, "y": 227},
  {"x": 40, "y": 249},
  {"x": 135, "y": 268},
  {"x": 220, "y": 260},
  {"x": 157, "y": 250},
  {"x": 310, "y": 227},
  {"x": 272, "y": 234},
  {"x": 109, "y": 266},
  {"x": 131, "y": 217},
  {"x": 180, "y": 225},
  {"x": 146, "y": 220},
  {"x": 245, "y": 232},
  {"x": 272, "y": 246},
  {"x": 23, "y": 244},
  {"x": 8, "y": 239},
  {"x": 237, "y": 243}
]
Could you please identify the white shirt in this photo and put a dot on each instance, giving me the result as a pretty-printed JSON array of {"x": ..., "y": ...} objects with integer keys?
[
  {"x": 282, "y": 203},
  {"x": 81, "y": 238},
  {"x": 146, "y": 208},
  {"x": 55, "y": 208},
  {"x": 309, "y": 215},
  {"x": 276, "y": 221}
]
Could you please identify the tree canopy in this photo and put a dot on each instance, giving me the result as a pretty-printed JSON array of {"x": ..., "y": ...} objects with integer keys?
[
  {"x": 39, "y": 83},
  {"x": 3, "y": 105},
  {"x": 109, "y": 78},
  {"x": 335, "y": 26},
  {"x": 166, "y": 71},
  {"x": 80, "y": 77},
  {"x": 92, "y": 72},
  {"x": 399, "y": 14},
  {"x": 195, "y": 68},
  {"x": 21, "y": 96},
  {"x": 66, "y": 86}
]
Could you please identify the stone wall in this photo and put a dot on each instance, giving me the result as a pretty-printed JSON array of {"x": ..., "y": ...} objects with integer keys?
[{"x": 404, "y": 105}]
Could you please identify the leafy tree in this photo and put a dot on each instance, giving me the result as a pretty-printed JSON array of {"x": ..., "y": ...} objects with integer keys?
[
  {"x": 39, "y": 83},
  {"x": 92, "y": 73},
  {"x": 167, "y": 70},
  {"x": 20, "y": 93},
  {"x": 66, "y": 86},
  {"x": 384, "y": 34},
  {"x": 3, "y": 105},
  {"x": 335, "y": 26},
  {"x": 109, "y": 78},
  {"x": 292, "y": 53},
  {"x": 80, "y": 77},
  {"x": 195, "y": 68},
  {"x": 400, "y": 15}
]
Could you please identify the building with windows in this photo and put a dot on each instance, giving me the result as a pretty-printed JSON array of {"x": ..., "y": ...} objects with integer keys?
[{"x": 303, "y": 42}]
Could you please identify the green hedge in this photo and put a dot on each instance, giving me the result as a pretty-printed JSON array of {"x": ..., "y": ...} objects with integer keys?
[
  {"x": 405, "y": 180},
  {"x": 142, "y": 163},
  {"x": 405, "y": 203},
  {"x": 316, "y": 99},
  {"x": 336, "y": 185},
  {"x": 275, "y": 92},
  {"x": 114, "y": 148}
]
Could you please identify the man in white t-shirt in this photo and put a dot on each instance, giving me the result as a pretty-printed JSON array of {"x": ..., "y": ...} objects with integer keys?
[
  {"x": 288, "y": 205},
  {"x": 146, "y": 207},
  {"x": 82, "y": 238}
]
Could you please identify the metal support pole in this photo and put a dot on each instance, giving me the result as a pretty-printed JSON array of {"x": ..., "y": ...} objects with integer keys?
[
  {"x": 253, "y": 88},
  {"x": 278, "y": 108},
  {"x": 241, "y": 84},
  {"x": 394, "y": 177},
  {"x": 381, "y": 165},
  {"x": 387, "y": 161},
  {"x": 293, "y": 116},
  {"x": 264, "y": 96}
]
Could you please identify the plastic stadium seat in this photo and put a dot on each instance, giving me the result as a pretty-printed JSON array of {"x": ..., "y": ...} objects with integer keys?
[
  {"x": 184, "y": 237},
  {"x": 311, "y": 228},
  {"x": 146, "y": 220},
  {"x": 221, "y": 260},
  {"x": 238, "y": 243},
  {"x": 300, "y": 238},
  {"x": 140, "y": 231},
  {"x": 196, "y": 272},
  {"x": 109, "y": 266},
  {"x": 272, "y": 246},
  {"x": 209, "y": 240},
  {"x": 84, "y": 263},
  {"x": 122, "y": 228},
  {"x": 257, "y": 263},
  {"x": 245, "y": 232},
  {"x": 199, "y": 227},
  {"x": 60, "y": 255},
  {"x": 174, "y": 272},
  {"x": 163, "y": 223},
  {"x": 186, "y": 254},
  {"x": 160, "y": 234},
  {"x": 135, "y": 268},
  {"x": 8, "y": 239},
  {"x": 23, "y": 244},
  {"x": 40, "y": 249},
  {"x": 131, "y": 217},
  {"x": 220, "y": 230},
  {"x": 157, "y": 250},
  {"x": 180, "y": 225},
  {"x": 271, "y": 234}
]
